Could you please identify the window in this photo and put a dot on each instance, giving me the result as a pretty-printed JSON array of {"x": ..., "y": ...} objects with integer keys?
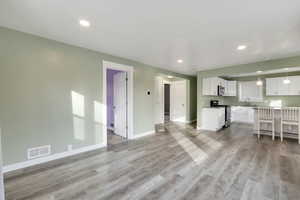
[
  {"x": 276, "y": 103},
  {"x": 250, "y": 92}
]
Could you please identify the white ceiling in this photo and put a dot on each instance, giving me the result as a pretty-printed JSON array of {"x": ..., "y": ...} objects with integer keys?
[{"x": 204, "y": 33}]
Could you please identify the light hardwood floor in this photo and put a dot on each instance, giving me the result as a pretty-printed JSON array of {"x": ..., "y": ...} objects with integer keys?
[{"x": 177, "y": 163}]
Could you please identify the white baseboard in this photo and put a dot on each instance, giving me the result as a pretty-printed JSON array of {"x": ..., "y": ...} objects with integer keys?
[
  {"x": 29, "y": 163},
  {"x": 143, "y": 134},
  {"x": 207, "y": 129}
]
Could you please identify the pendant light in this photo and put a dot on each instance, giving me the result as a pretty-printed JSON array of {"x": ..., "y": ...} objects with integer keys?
[
  {"x": 286, "y": 80},
  {"x": 259, "y": 82}
]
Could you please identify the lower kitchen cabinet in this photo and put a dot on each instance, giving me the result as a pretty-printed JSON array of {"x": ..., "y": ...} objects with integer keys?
[
  {"x": 242, "y": 114},
  {"x": 212, "y": 119}
]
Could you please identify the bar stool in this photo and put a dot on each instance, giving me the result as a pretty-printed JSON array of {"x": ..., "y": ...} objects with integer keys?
[
  {"x": 265, "y": 115},
  {"x": 290, "y": 116}
]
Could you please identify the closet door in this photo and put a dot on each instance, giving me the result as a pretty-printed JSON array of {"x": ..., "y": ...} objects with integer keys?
[
  {"x": 120, "y": 104},
  {"x": 178, "y": 101}
]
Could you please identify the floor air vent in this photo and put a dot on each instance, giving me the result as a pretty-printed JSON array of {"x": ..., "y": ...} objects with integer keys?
[{"x": 37, "y": 152}]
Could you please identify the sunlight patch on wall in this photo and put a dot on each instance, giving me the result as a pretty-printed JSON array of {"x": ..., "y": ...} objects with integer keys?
[
  {"x": 98, "y": 108},
  {"x": 98, "y": 133},
  {"x": 98, "y": 121},
  {"x": 276, "y": 103},
  {"x": 77, "y": 104},
  {"x": 78, "y": 116}
]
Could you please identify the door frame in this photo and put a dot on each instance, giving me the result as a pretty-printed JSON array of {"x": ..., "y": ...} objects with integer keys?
[
  {"x": 129, "y": 69},
  {"x": 162, "y": 107}
]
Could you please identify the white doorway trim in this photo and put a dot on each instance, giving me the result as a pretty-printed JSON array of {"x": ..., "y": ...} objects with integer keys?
[
  {"x": 129, "y": 70},
  {"x": 160, "y": 106}
]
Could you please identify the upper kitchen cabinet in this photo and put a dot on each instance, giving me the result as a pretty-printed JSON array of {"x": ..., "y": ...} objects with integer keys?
[
  {"x": 210, "y": 86},
  {"x": 283, "y": 86},
  {"x": 230, "y": 88}
]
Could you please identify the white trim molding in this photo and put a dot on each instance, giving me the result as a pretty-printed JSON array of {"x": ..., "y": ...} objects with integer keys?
[
  {"x": 143, "y": 134},
  {"x": 129, "y": 69},
  {"x": 29, "y": 163}
]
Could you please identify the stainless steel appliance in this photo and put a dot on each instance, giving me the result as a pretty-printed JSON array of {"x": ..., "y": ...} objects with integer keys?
[
  {"x": 215, "y": 103},
  {"x": 221, "y": 90}
]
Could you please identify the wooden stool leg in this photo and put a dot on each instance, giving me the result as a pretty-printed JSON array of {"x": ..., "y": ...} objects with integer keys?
[
  {"x": 258, "y": 130},
  {"x": 281, "y": 132},
  {"x": 299, "y": 133},
  {"x": 298, "y": 126},
  {"x": 273, "y": 131}
]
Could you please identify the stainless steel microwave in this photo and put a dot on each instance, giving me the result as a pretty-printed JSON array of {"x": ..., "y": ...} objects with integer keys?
[{"x": 221, "y": 90}]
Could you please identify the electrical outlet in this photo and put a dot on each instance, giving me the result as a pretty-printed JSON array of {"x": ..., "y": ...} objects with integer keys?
[{"x": 70, "y": 147}]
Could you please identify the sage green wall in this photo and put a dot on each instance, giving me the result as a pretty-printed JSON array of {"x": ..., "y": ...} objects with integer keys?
[
  {"x": 203, "y": 101},
  {"x": 37, "y": 76}
]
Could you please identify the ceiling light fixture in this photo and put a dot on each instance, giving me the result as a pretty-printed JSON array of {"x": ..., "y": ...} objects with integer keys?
[
  {"x": 259, "y": 72},
  {"x": 286, "y": 80},
  {"x": 180, "y": 61},
  {"x": 241, "y": 47},
  {"x": 84, "y": 23},
  {"x": 170, "y": 76},
  {"x": 259, "y": 82}
]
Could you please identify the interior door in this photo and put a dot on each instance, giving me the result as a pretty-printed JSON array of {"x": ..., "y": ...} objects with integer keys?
[
  {"x": 178, "y": 101},
  {"x": 159, "y": 101},
  {"x": 120, "y": 104}
]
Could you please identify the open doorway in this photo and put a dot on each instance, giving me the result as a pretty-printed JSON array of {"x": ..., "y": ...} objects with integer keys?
[
  {"x": 116, "y": 106},
  {"x": 166, "y": 102},
  {"x": 171, "y": 99},
  {"x": 117, "y": 101}
]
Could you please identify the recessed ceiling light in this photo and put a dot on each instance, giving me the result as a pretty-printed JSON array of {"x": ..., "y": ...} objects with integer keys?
[
  {"x": 180, "y": 61},
  {"x": 84, "y": 23},
  {"x": 259, "y": 72},
  {"x": 241, "y": 47},
  {"x": 170, "y": 76},
  {"x": 286, "y": 69}
]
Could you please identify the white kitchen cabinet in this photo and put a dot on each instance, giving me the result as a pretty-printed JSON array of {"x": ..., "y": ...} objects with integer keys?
[
  {"x": 206, "y": 86},
  {"x": 242, "y": 114},
  {"x": 212, "y": 119},
  {"x": 210, "y": 86},
  {"x": 230, "y": 88},
  {"x": 276, "y": 86}
]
